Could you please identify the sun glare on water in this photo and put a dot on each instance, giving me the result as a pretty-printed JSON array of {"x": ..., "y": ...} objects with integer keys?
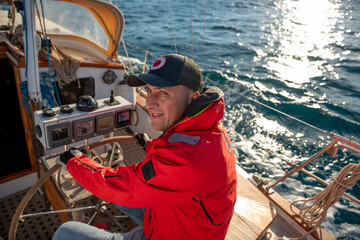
[{"x": 301, "y": 37}]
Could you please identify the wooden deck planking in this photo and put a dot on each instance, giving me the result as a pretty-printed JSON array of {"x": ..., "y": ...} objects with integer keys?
[{"x": 253, "y": 212}]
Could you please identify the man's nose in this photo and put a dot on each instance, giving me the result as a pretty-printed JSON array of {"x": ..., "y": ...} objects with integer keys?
[{"x": 150, "y": 102}]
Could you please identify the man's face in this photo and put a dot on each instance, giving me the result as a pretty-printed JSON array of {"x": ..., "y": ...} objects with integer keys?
[{"x": 167, "y": 104}]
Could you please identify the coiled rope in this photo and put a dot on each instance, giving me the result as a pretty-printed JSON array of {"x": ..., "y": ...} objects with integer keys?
[
  {"x": 64, "y": 65},
  {"x": 48, "y": 89},
  {"x": 314, "y": 214}
]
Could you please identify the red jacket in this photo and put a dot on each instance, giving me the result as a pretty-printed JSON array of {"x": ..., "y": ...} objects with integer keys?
[{"x": 187, "y": 181}]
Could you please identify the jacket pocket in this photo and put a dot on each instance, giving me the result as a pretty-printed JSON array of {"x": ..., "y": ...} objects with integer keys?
[
  {"x": 152, "y": 230},
  {"x": 208, "y": 215},
  {"x": 149, "y": 220}
]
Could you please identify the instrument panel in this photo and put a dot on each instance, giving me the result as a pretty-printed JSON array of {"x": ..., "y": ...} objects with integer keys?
[{"x": 64, "y": 125}]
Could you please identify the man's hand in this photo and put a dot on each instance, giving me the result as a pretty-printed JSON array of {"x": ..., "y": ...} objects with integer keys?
[
  {"x": 66, "y": 156},
  {"x": 142, "y": 139}
]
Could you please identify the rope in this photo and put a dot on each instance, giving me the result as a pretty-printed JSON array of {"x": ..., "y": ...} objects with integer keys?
[
  {"x": 24, "y": 92},
  {"x": 17, "y": 38},
  {"x": 134, "y": 46},
  {"x": 264, "y": 105},
  {"x": 313, "y": 215},
  {"x": 48, "y": 87},
  {"x": 203, "y": 36},
  {"x": 172, "y": 26},
  {"x": 48, "y": 53},
  {"x": 127, "y": 55},
  {"x": 64, "y": 65},
  {"x": 192, "y": 42},
  {"x": 38, "y": 14}
]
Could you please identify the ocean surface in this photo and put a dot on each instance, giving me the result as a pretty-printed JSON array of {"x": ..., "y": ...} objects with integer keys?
[{"x": 300, "y": 57}]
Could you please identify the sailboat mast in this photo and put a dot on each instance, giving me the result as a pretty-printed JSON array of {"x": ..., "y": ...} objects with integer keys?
[{"x": 31, "y": 52}]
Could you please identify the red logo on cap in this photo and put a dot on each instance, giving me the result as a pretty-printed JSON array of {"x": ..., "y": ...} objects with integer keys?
[{"x": 159, "y": 63}]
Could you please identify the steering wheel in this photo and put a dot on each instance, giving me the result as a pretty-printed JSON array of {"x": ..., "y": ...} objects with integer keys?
[{"x": 46, "y": 176}]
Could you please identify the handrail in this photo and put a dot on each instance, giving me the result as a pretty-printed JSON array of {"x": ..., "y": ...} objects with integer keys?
[
  {"x": 348, "y": 141},
  {"x": 331, "y": 148},
  {"x": 349, "y": 144},
  {"x": 321, "y": 180},
  {"x": 326, "y": 148}
]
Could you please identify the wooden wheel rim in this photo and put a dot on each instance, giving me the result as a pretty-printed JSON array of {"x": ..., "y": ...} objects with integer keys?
[{"x": 30, "y": 193}]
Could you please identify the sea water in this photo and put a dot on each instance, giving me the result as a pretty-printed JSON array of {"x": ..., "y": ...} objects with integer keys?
[{"x": 300, "y": 57}]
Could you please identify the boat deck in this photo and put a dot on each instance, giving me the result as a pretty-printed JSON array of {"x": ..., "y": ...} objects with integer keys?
[
  {"x": 44, "y": 226},
  {"x": 254, "y": 213}
]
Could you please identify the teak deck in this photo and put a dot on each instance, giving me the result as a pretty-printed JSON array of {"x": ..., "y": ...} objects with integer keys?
[{"x": 253, "y": 212}]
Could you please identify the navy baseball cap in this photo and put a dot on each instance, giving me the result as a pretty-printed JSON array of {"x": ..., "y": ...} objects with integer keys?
[{"x": 168, "y": 71}]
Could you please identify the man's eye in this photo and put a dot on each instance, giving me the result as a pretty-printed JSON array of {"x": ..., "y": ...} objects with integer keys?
[
  {"x": 163, "y": 93},
  {"x": 147, "y": 90}
]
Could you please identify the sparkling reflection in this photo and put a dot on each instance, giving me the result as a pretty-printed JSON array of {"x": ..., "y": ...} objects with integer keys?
[{"x": 300, "y": 39}]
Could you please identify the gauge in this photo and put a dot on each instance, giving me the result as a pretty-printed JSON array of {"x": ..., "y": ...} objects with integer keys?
[
  {"x": 59, "y": 134},
  {"x": 123, "y": 118},
  {"x": 104, "y": 123},
  {"x": 83, "y": 128}
]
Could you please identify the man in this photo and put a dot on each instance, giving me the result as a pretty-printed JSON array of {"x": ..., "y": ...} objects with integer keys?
[{"x": 187, "y": 181}]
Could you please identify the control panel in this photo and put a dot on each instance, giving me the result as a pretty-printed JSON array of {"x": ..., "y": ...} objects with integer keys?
[{"x": 67, "y": 124}]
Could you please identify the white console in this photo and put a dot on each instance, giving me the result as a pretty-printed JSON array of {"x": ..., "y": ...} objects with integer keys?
[{"x": 64, "y": 125}]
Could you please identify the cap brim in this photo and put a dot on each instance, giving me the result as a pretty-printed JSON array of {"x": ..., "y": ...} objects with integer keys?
[{"x": 151, "y": 79}]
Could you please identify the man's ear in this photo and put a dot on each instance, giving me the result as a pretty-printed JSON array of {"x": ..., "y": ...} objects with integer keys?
[{"x": 195, "y": 95}]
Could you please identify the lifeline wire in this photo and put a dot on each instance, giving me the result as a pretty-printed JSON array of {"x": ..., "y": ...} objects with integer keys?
[
  {"x": 134, "y": 46},
  {"x": 253, "y": 100},
  {"x": 274, "y": 109},
  {"x": 127, "y": 55},
  {"x": 203, "y": 36},
  {"x": 192, "y": 42},
  {"x": 172, "y": 26}
]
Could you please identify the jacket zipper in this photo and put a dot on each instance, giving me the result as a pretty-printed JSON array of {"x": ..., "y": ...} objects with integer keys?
[
  {"x": 152, "y": 230},
  {"x": 207, "y": 214},
  {"x": 149, "y": 219}
]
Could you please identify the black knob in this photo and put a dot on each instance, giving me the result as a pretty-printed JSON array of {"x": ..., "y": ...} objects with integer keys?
[{"x": 86, "y": 103}]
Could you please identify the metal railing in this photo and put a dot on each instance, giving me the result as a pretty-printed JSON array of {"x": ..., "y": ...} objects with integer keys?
[{"x": 352, "y": 144}]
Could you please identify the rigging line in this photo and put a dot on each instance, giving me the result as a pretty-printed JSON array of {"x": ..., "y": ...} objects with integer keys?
[
  {"x": 203, "y": 36},
  {"x": 192, "y": 42},
  {"x": 253, "y": 100},
  {"x": 58, "y": 103},
  {"x": 134, "y": 46},
  {"x": 294, "y": 165},
  {"x": 38, "y": 15},
  {"x": 172, "y": 26},
  {"x": 274, "y": 109},
  {"x": 127, "y": 55}
]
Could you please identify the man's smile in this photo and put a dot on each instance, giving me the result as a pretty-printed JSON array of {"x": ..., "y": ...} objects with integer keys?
[{"x": 156, "y": 115}]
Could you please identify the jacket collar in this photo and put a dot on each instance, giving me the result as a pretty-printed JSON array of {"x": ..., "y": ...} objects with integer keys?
[{"x": 209, "y": 96}]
